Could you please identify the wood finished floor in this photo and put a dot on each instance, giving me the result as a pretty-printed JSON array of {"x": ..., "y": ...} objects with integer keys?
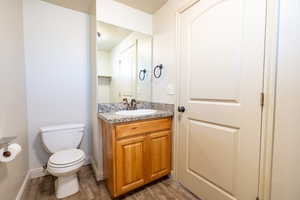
[{"x": 165, "y": 189}]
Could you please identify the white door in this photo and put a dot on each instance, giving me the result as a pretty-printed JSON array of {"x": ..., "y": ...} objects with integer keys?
[
  {"x": 222, "y": 56},
  {"x": 127, "y": 72}
]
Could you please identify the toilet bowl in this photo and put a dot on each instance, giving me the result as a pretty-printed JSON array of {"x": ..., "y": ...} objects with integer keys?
[
  {"x": 66, "y": 160},
  {"x": 64, "y": 165}
]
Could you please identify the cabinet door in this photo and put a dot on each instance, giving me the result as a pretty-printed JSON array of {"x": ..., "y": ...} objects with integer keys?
[
  {"x": 130, "y": 154},
  {"x": 159, "y": 154}
]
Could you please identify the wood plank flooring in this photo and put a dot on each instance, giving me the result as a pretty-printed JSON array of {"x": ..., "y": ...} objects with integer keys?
[{"x": 165, "y": 189}]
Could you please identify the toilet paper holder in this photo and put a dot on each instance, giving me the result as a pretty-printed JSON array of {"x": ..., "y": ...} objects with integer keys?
[{"x": 4, "y": 143}]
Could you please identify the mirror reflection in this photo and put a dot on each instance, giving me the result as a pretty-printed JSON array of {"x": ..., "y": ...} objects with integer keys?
[{"x": 124, "y": 60}]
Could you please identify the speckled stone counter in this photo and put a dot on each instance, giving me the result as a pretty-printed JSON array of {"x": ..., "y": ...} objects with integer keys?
[{"x": 108, "y": 111}]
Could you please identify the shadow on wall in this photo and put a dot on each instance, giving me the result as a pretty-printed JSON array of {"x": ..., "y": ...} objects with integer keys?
[{"x": 41, "y": 153}]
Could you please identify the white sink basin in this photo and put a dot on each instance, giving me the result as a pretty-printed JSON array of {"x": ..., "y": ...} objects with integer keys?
[{"x": 136, "y": 112}]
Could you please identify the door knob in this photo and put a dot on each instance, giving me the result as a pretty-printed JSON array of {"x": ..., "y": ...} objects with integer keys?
[{"x": 181, "y": 109}]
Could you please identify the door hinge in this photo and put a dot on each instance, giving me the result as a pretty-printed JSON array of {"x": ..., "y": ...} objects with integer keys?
[{"x": 262, "y": 99}]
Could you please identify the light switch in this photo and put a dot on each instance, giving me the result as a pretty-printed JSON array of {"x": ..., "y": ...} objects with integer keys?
[{"x": 171, "y": 89}]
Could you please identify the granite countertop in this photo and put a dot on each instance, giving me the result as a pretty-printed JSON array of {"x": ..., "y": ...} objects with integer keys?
[
  {"x": 107, "y": 112},
  {"x": 113, "y": 118}
]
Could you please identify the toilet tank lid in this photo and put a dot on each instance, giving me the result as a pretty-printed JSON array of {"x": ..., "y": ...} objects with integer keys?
[{"x": 61, "y": 127}]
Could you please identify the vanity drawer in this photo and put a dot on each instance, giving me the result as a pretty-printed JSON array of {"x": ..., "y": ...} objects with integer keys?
[{"x": 126, "y": 130}]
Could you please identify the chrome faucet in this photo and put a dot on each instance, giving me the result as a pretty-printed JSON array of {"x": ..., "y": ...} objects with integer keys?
[
  {"x": 125, "y": 102},
  {"x": 131, "y": 106}
]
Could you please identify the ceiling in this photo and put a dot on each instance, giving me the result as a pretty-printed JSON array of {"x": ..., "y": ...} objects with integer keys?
[
  {"x": 110, "y": 36},
  {"x": 149, "y": 6},
  {"x": 78, "y": 5}
]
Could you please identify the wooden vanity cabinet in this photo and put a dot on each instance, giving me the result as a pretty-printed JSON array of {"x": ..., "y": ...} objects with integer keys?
[
  {"x": 130, "y": 163},
  {"x": 135, "y": 153},
  {"x": 159, "y": 154}
]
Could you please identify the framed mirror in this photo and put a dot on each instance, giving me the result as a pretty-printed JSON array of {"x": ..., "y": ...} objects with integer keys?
[{"x": 124, "y": 63}]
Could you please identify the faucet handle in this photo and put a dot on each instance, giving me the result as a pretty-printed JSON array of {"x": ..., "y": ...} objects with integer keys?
[{"x": 125, "y": 102}]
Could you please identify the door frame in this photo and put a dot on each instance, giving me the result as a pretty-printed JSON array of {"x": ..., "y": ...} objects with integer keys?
[{"x": 269, "y": 89}]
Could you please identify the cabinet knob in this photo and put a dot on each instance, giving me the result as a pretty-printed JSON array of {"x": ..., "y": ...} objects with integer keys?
[{"x": 181, "y": 109}]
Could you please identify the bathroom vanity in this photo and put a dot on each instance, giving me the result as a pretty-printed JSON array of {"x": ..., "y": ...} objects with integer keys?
[
  {"x": 135, "y": 132},
  {"x": 136, "y": 149}
]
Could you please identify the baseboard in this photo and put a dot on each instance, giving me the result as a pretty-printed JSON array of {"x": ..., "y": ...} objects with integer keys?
[
  {"x": 173, "y": 175},
  {"x": 38, "y": 172},
  {"x": 87, "y": 160},
  {"x": 98, "y": 174},
  {"x": 24, "y": 187}
]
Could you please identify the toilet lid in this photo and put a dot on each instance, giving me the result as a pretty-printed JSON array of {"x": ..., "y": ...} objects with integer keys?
[{"x": 65, "y": 157}]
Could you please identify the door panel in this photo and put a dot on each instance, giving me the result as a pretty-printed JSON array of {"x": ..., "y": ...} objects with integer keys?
[
  {"x": 218, "y": 52},
  {"x": 130, "y": 163},
  {"x": 221, "y": 59},
  {"x": 159, "y": 154},
  {"x": 216, "y": 146}
]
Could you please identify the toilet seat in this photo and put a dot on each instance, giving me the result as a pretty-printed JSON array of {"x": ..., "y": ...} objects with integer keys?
[
  {"x": 65, "y": 166},
  {"x": 65, "y": 162},
  {"x": 66, "y": 158}
]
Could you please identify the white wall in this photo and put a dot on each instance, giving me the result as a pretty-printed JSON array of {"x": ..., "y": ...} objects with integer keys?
[
  {"x": 13, "y": 97},
  {"x": 104, "y": 65},
  {"x": 112, "y": 12},
  {"x": 286, "y": 173},
  {"x": 57, "y": 70},
  {"x": 96, "y": 157},
  {"x": 164, "y": 50},
  {"x": 103, "y": 69},
  {"x": 144, "y": 61},
  {"x": 103, "y": 90}
]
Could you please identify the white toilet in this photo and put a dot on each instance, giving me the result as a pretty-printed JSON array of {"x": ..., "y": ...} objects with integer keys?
[{"x": 62, "y": 142}]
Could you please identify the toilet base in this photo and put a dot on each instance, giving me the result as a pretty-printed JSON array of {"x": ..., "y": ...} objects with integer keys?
[{"x": 66, "y": 186}]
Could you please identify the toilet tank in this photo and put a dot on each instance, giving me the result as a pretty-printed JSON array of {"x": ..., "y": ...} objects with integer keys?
[{"x": 61, "y": 137}]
